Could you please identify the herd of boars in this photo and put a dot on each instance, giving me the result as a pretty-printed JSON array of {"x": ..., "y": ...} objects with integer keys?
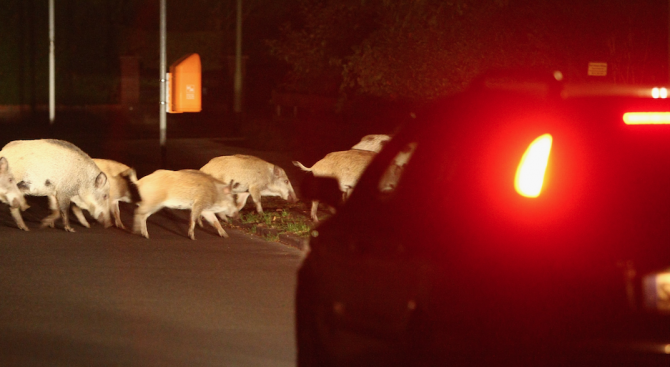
[{"x": 67, "y": 175}]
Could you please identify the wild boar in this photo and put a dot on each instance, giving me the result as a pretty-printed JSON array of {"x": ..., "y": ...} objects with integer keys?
[
  {"x": 345, "y": 166},
  {"x": 375, "y": 143},
  {"x": 62, "y": 172},
  {"x": 122, "y": 187},
  {"x": 391, "y": 177},
  {"x": 252, "y": 174},
  {"x": 405, "y": 154},
  {"x": 372, "y": 142},
  {"x": 186, "y": 189},
  {"x": 11, "y": 195}
]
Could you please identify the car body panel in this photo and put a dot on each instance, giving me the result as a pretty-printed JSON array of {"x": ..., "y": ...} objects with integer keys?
[{"x": 455, "y": 267}]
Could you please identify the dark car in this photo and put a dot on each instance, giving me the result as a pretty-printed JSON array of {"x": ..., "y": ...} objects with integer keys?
[{"x": 467, "y": 262}]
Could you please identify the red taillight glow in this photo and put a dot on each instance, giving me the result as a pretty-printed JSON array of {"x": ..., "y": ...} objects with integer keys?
[
  {"x": 646, "y": 118},
  {"x": 530, "y": 173}
]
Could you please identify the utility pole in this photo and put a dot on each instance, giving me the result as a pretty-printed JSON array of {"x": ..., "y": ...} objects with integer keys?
[
  {"x": 237, "y": 103},
  {"x": 163, "y": 74},
  {"x": 52, "y": 64}
]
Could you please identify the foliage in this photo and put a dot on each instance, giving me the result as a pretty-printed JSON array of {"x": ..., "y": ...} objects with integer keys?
[
  {"x": 316, "y": 50},
  {"x": 423, "y": 49},
  {"x": 416, "y": 49}
]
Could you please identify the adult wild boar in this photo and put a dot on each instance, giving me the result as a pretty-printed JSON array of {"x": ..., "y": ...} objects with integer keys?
[
  {"x": 375, "y": 143},
  {"x": 252, "y": 174},
  {"x": 122, "y": 187},
  {"x": 63, "y": 172},
  {"x": 372, "y": 142},
  {"x": 11, "y": 195},
  {"x": 345, "y": 166},
  {"x": 186, "y": 189}
]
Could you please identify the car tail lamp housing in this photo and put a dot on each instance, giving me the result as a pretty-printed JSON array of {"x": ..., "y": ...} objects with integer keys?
[{"x": 530, "y": 173}]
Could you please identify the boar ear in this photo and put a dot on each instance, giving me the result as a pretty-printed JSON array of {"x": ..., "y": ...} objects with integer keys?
[
  {"x": 226, "y": 189},
  {"x": 4, "y": 165},
  {"x": 100, "y": 180},
  {"x": 233, "y": 185},
  {"x": 276, "y": 171}
]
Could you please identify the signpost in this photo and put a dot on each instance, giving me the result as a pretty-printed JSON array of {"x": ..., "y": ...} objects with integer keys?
[{"x": 184, "y": 83}]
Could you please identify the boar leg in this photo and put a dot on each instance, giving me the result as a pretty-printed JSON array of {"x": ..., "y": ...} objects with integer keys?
[
  {"x": 315, "y": 207},
  {"x": 196, "y": 211},
  {"x": 211, "y": 219},
  {"x": 59, "y": 208},
  {"x": 64, "y": 207},
  {"x": 16, "y": 213},
  {"x": 55, "y": 214},
  {"x": 140, "y": 220},
  {"x": 80, "y": 216},
  {"x": 117, "y": 215},
  {"x": 255, "y": 193},
  {"x": 222, "y": 217}
]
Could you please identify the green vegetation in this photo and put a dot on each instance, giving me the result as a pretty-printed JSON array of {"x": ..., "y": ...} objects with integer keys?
[
  {"x": 280, "y": 216},
  {"x": 284, "y": 221},
  {"x": 272, "y": 237}
]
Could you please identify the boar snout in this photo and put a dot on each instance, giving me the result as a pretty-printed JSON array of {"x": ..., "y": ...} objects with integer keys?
[
  {"x": 106, "y": 220},
  {"x": 292, "y": 198}
]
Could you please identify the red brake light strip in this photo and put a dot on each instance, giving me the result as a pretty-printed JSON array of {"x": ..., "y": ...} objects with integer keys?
[{"x": 646, "y": 118}]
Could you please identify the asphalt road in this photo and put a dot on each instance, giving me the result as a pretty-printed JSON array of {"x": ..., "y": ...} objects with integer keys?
[{"x": 107, "y": 297}]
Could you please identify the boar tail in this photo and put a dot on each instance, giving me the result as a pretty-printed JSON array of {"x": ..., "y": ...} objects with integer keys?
[
  {"x": 299, "y": 165},
  {"x": 135, "y": 196},
  {"x": 129, "y": 175},
  {"x": 131, "y": 181}
]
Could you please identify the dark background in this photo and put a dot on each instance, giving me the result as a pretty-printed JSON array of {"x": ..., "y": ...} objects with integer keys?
[{"x": 372, "y": 59}]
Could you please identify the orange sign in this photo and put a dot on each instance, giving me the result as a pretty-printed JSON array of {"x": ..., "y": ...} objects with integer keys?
[{"x": 185, "y": 85}]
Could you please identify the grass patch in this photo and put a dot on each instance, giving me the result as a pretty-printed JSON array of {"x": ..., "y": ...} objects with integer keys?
[
  {"x": 282, "y": 221},
  {"x": 279, "y": 215},
  {"x": 272, "y": 237}
]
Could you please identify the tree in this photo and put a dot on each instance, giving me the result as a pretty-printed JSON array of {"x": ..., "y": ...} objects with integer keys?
[
  {"x": 316, "y": 47},
  {"x": 423, "y": 49},
  {"x": 410, "y": 49}
]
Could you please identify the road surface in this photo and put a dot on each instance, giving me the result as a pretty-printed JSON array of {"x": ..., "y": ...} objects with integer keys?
[{"x": 107, "y": 297}]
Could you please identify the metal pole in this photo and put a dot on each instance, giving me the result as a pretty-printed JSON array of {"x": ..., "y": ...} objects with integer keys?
[
  {"x": 237, "y": 107},
  {"x": 163, "y": 98},
  {"x": 52, "y": 63}
]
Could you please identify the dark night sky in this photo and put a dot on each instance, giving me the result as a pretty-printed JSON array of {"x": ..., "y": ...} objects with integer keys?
[{"x": 576, "y": 30}]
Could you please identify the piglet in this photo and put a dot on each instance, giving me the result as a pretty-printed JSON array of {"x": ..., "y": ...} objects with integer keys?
[{"x": 186, "y": 189}]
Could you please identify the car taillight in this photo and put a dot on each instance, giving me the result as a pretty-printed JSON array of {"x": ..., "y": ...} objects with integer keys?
[
  {"x": 530, "y": 173},
  {"x": 646, "y": 118},
  {"x": 659, "y": 92}
]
